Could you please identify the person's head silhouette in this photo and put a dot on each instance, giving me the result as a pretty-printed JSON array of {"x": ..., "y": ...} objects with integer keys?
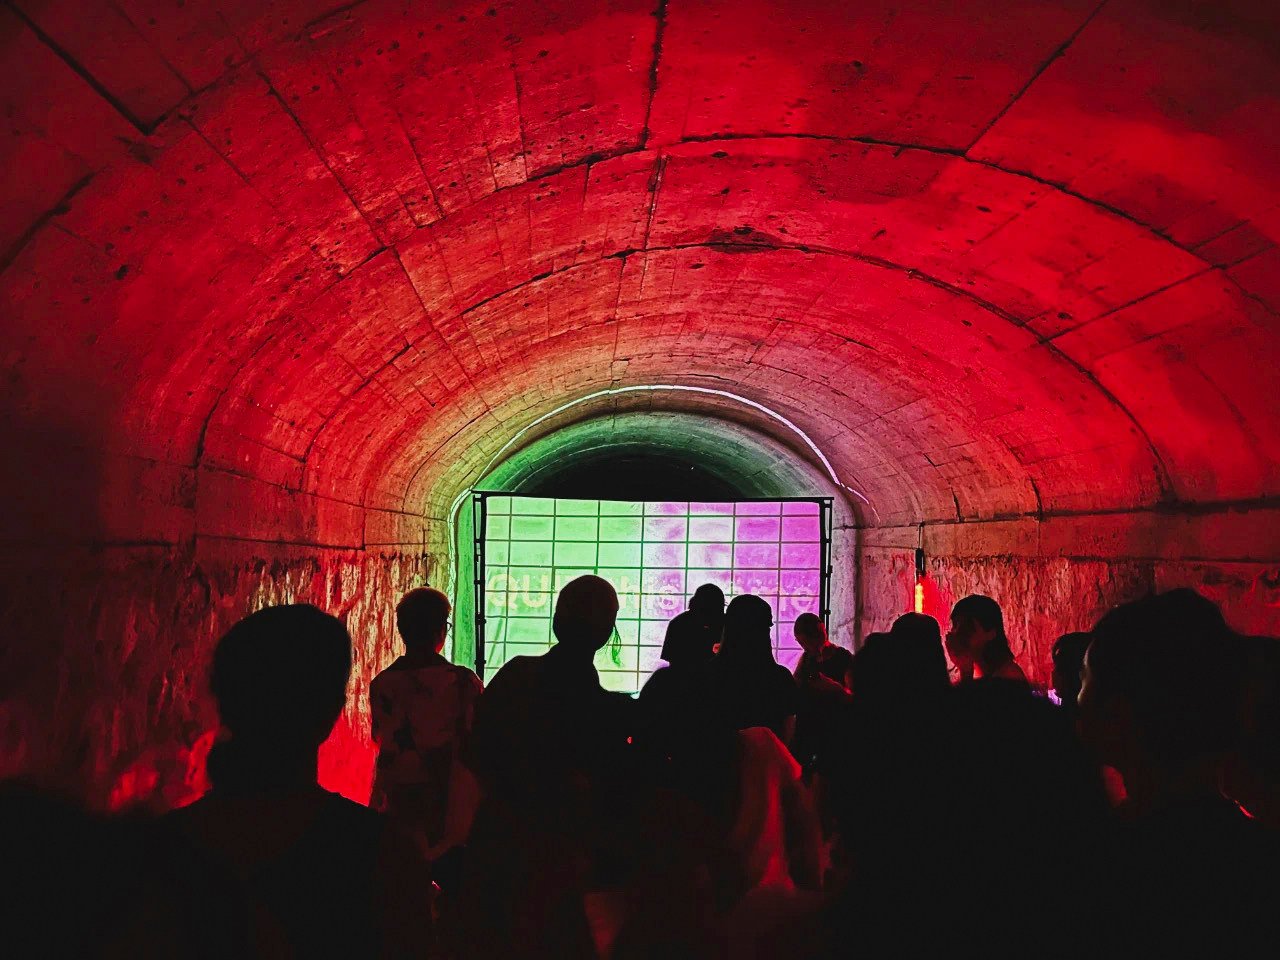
[
  {"x": 1160, "y": 691},
  {"x": 977, "y": 636},
  {"x": 708, "y": 602},
  {"x": 688, "y": 641},
  {"x": 916, "y": 654},
  {"x": 280, "y": 681},
  {"x": 585, "y": 615},
  {"x": 748, "y": 625},
  {"x": 810, "y": 632},
  {"x": 422, "y": 618}
]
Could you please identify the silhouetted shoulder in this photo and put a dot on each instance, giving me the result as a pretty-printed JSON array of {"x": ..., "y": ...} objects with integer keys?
[
  {"x": 658, "y": 683},
  {"x": 306, "y": 871},
  {"x": 341, "y": 812},
  {"x": 841, "y": 657},
  {"x": 469, "y": 679},
  {"x": 515, "y": 674},
  {"x": 1200, "y": 878},
  {"x": 251, "y": 829},
  {"x": 1009, "y": 671}
]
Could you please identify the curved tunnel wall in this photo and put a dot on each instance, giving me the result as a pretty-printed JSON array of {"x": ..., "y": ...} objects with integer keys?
[{"x": 278, "y": 282}]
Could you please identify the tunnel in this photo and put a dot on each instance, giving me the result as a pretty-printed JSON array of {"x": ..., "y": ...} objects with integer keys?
[{"x": 282, "y": 282}]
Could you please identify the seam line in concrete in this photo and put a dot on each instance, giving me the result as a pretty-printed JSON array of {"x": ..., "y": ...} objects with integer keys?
[
  {"x": 330, "y": 15},
  {"x": 83, "y": 73},
  {"x": 659, "y": 35},
  {"x": 1053, "y": 56},
  {"x": 319, "y": 154},
  {"x": 1161, "y": 474},
  {"x": 1131, "y": 303},
  {"x": 427, "y": 315},
  {"x": 124, "y": 15},
  {"x": 58, "y": 209}
]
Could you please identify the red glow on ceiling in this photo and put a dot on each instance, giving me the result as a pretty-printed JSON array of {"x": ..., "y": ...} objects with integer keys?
[
  {"x": 299, "y": 285},
  {"x": 275, "y": 294}
]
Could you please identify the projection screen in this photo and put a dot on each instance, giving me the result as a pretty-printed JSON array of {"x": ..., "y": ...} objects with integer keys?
[{"x": 655, "y": 554}]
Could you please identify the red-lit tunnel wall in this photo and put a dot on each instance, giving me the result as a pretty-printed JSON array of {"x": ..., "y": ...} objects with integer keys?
[{"x": 278, "y": 280}]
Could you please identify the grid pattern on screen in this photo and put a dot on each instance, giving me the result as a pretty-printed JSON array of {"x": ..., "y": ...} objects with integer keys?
[{"x": 655, "y": 554}]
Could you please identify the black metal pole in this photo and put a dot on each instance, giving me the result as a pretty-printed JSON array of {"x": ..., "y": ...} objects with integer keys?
[
  {"x": 825, "y": 583},
  {"x": 479, "y": 525}
]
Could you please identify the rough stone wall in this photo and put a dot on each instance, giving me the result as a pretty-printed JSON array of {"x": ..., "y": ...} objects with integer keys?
[
  {"x": 1041, "y": 598},
  {"x": 112, "y": 647},
  {"x": 1048, "y": 585}
]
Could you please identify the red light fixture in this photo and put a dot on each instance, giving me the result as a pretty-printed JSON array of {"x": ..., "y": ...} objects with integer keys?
[{"x": 919, "y": 591}]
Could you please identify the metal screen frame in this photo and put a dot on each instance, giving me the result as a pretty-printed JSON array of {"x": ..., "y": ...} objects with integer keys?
[{"x": 480, "y": 518}]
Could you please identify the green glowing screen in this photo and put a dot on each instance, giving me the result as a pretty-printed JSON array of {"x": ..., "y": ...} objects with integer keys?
[{"x": 655, "y": 555}]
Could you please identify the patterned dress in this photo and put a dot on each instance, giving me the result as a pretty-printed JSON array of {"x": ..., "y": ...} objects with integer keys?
[{"x": 422, "y": 713}]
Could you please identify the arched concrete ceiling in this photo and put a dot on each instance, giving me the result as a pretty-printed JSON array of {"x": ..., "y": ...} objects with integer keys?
[
  {"x": 325, "y": 260},
  {"x": 753, "y": 464}
]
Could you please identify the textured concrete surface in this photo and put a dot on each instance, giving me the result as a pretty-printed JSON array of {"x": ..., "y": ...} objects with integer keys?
[
  {"x": 278, "y": 280},
  {"x": 118, "y": 707}
]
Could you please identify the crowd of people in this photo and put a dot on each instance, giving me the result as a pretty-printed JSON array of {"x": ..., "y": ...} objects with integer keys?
[{"x": 875, "y": 803}]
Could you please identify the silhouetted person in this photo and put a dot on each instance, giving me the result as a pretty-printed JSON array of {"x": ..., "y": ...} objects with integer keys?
[
  {"x": 916, "y": 663},
  {"x": 727, "y": 833},
  {"x": 422, "y": 707},
  {"x": 268, "y": 863},
  {"x": 964, "y": 825},
  {"x": 750, "y": 686},
  {"x": 73, "y": 878},
  {"x": 687, "y": 642},
  {"x": 859, "y": 678},
  {"x": 666, "y": 696},
  {"x": 1068, "y": 664},
  {"x": 1160, "y": 703},
  {"x": 692, "y": 635},
  {"x": 903, "y": 668},
  {"x": 821, "y": 657},
  {"x": 708, "y": 602},
  {"x": 977, "y": 641},
  {"x": 896, "y": 680},
  {"x": 689, "y": 649},
  {"x": 549, "y": 746},
  {"x": 775, "y": 838},
  {"x": 820, "y": 680}
]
